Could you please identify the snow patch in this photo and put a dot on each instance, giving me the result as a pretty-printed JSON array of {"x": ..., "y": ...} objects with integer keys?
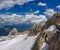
[
  {"x": 44, "y": 46},
  {"x": 52, "y": 28}
]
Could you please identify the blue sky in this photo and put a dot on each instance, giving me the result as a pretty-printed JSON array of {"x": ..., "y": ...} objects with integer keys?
[
  {"x": 31, "y": 6},
  {"x": 33, "y": 11}
]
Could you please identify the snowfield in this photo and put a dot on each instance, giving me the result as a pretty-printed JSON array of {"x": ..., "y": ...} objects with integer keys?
[
  {"x": 52, "y": 28},
  {"x": 20, "y": 42}
]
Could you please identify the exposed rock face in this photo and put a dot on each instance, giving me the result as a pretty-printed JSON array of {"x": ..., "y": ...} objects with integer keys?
[
  {"x": 35, "y": 30},
  {"x": 39, "y": 42},
  {"x": 52, "y": 38},
  {"x": 54, "y": 43},
  {"x": 55, "y": 20},
  {"x": 50, "y": 32},
  {"x": 14, "y": 32},
  {"x": 48, "y": 35}
]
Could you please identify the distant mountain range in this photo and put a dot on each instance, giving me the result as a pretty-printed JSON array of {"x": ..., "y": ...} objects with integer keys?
[
  {"x": 20, "y": 22},
  {"x": 20, "y": 27}
]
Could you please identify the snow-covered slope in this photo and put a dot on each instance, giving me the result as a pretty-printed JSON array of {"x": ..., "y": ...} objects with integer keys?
[
  {"x": 21, "y": 42},
  {"x": 18, "y": 43},
  {"x": 52, "y": 28}
]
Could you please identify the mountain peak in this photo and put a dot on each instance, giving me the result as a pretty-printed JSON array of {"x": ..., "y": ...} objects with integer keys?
[
  {"x": 13, "y": 32},
  {"x": 49, "y": 33}
]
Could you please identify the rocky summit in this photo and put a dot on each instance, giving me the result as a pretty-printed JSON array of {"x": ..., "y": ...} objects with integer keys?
[
  {"x": 49, "y": 33},
  {"x": 55, "y": 20},
  {"x": 13, "y": 32}
]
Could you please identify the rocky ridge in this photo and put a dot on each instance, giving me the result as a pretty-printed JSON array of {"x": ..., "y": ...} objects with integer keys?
[{"x": 49, "y": 33}]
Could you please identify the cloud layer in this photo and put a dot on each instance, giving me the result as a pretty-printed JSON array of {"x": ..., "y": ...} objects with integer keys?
[
  {"x": 42, "y": 4},
  {"x": 49, "y": 12},
  {"x": 10, "y": 3},
  {"x": 58, "y": 6},
  {"x": 28, "y": 18}
]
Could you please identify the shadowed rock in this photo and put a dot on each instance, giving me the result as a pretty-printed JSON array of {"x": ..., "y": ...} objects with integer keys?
[{"x": 54, "y": 43}]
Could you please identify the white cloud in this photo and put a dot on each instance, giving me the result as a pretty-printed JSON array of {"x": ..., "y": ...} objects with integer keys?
[
  {"x": 11, "y": 3},
  {"x": 28, "y": 18},
  {"x": 36, "y": 12},
  {"x": 58, "y": 6},
  {"x": 50, "y": 12},
  {"x": 42, "y": 4}
]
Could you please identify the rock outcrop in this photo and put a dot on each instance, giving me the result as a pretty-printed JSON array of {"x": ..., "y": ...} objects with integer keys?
[
  {"x": 52, "y": 38},
  {"x": 35, "y": 30},
  {"x": 14, "y": 32},
  {"x": 54, "y": 43},
  {"x": 55, "y": 20}
]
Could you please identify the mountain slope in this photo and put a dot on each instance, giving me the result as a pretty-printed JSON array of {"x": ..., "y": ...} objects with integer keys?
[
  {"x": 45, "y": 37},
  {"x": 50, "y": 33}
]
